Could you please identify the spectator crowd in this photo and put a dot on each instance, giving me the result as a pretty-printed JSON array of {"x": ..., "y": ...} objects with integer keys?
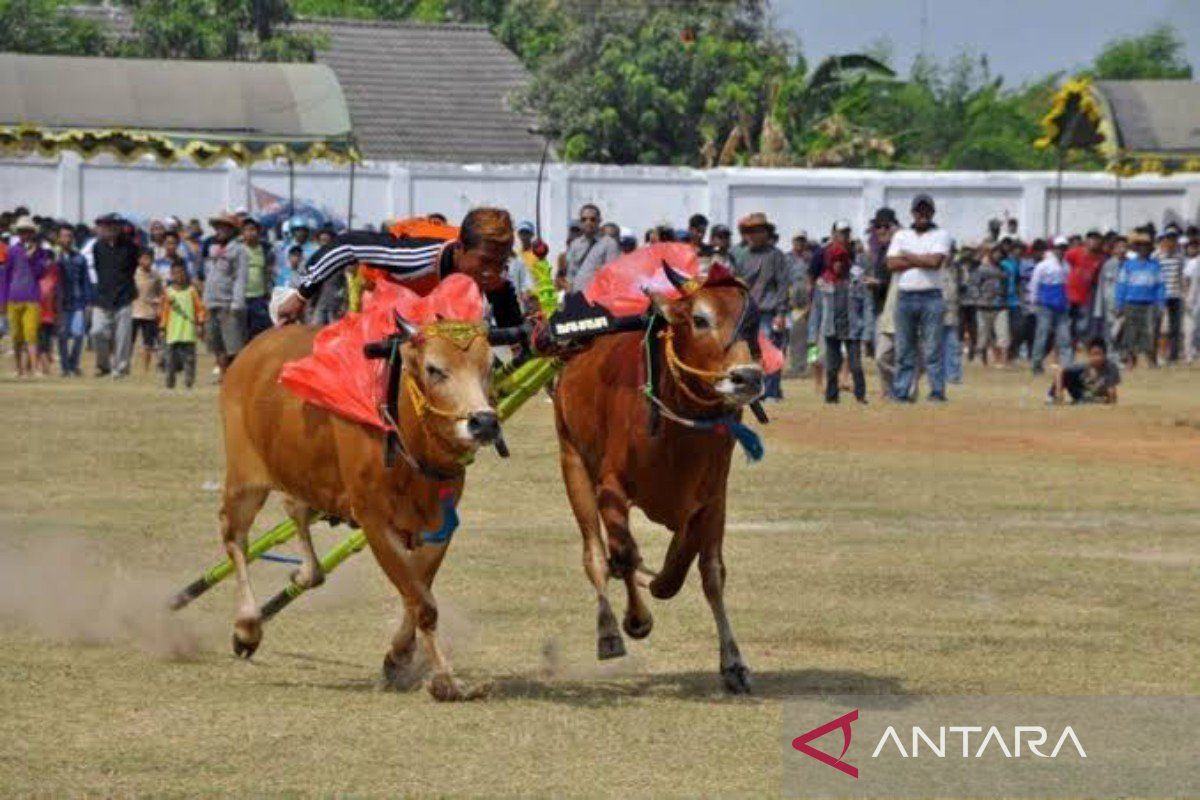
[{"x": 907, "y": 296}]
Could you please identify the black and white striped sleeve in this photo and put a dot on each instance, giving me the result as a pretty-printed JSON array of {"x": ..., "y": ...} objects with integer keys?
[{"x": 405, "y": 258}]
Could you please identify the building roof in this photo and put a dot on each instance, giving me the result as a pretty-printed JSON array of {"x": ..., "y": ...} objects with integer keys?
[
  {"x": 1161, "y": 117},
  {"x": 214, "y": 108},
  {"x": 416, "y": 92},
  {"x": 420, "y": 92}
]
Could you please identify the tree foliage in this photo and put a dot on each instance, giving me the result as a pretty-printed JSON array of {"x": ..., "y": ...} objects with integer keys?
[
  {"x": 45, "y": 27},
  {"x": 661, "y": 81},
  {"x": 1156, "y": 54},
  {"x": 218, "y": 29}
]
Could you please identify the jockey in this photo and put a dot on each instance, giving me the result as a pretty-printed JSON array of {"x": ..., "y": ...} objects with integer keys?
[{"x": 417, "y": 254}]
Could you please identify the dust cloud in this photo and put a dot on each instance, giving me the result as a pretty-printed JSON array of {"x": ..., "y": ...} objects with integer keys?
[{"x": 62, "y": 588}]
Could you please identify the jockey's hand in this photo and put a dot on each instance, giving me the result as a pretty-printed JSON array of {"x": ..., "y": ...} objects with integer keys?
[{"x": 291, "y": 309}]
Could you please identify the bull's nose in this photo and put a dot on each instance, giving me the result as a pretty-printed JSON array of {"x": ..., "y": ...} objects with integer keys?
[
  {"x": 746, "y": 380},
  {"x": 484, "y": 426}
]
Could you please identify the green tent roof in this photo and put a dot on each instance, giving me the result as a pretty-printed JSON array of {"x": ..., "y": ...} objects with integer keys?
[{"x": 204, "y": 110}]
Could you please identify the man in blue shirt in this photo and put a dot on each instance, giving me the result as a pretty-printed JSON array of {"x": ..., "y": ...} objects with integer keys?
[
  {"x": 1011, "y": 264},
  {"x": 1140, "y": 298}
]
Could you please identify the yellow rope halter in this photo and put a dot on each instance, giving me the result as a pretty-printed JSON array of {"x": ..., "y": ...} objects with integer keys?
[
  {"x": 421, "y": 402},
  {"x": 679, "y": 369}
]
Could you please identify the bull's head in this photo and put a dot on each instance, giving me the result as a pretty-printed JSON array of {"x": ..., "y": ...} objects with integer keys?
[
  {"x": 446, "y": 377},
  {"x": 713, "y": 332}
]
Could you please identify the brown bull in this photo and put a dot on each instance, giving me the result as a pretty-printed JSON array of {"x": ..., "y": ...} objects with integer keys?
[
  {"x": 325, "y": 464},
  {"x": 676, "y": 474}
]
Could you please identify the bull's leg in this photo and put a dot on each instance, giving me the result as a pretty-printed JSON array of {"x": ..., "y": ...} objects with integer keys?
[
  {"x": 399, "y": 670},
  {"x": 709, "y": 528},
  {"x": 310, "y": 574},
  {"x": 241, "y": 504},
  {"x": 581, "y": 493},
  {"x": 624, "y": 560},
  {"x": 404, "y": 568}
]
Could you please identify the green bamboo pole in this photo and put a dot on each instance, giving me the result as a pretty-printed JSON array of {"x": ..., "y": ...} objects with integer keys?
[
  {"x": 276, "y": 536},
  {"x": 332, "y": 560}
]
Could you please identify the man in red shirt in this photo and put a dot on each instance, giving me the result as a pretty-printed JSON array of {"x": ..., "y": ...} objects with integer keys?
[{"x": 1084, "y": 262}]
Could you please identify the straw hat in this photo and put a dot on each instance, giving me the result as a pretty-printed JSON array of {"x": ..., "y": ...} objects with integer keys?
[
  {"x": 752, "y": 221},
  {"x": 225, "y": 219},
  {"x": 25, "y": 223}
]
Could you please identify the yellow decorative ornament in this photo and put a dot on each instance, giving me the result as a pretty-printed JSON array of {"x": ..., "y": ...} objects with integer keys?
[
  {"x": 1080, "y": 90},
  {"x": 126, "y": 146}
]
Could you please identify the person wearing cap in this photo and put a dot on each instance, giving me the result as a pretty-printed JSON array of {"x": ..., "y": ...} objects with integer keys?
[
  {"x": 589, "y": 251},
  {"x": 840, "y": 232},
  {"x": 1048, "y": 296},
  {"x": 879, "y": 279},
  {"x": 114, "y": 259},
  {"x": 299, "y": 231},
  {"x": 1139, "y": 298},
  {"x": 226, "y": 264},
  {"x": 917, "y": 256},
  {"x": 764, "y": 270},
  {"x": 260, "y": 277},
  {"x": 1170, "y": 259},
  {"x": 525, "y": 233},
  {"x": 1084, "y": 262},
  {"x": 20, "y": 294}
]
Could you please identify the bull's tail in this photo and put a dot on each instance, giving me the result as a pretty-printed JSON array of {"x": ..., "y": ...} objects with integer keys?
[{"x": 680, "y": 555}]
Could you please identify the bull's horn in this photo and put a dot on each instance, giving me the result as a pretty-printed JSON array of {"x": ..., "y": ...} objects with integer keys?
[
  {"x": 406, "y": 329},
  {"x": 677, "y": 278}
]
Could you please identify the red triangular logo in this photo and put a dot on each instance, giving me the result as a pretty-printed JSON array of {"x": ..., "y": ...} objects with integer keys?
[{"x": 801, "y": 743}]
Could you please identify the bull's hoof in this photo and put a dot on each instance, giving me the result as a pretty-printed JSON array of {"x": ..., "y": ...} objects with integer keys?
[
  {"x": 736, "y": 678},
  {"x": 243, "y": 649},
  {"x": 637, "y": 628},
  {"x": 445, "y": 688},
  {"x": 610, "y": 646},
  {"x": 317, "y": 579},
  {"x": 400, "y": 676}
]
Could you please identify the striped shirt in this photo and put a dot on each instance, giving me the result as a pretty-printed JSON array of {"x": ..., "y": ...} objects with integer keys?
[
  {"x": 408, "y": 260},
  {"x": 1172, "y": 273}
]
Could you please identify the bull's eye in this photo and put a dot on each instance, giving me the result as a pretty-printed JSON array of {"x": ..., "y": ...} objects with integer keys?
[
  {"x": 700, "y": 322},
  {"x": 435, "y": 374}
]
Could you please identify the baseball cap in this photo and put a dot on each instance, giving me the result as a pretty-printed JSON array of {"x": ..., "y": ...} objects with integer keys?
[
  {"x": 525, "y": 226},
  {"x": 1060, "y": 241},
  {"x": 885, "y": 216},
  {"x": 843, "y": 225},
  {"x": 923, "y": 199}
]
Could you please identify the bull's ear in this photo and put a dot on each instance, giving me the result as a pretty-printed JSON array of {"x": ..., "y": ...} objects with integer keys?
[{"x": 406, "y": 329}]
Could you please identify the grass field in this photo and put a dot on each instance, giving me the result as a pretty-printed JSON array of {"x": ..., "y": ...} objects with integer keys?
[{"x": 991, "y": 546}]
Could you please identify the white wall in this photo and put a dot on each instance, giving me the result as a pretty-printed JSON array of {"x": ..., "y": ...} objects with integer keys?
[{"x": 638, "y": 197}]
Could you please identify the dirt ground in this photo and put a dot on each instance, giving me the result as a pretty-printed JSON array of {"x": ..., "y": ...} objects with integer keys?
[{"x": 992, "y": 546}]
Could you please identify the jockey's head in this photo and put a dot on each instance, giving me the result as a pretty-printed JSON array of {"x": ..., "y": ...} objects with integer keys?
[{"x": 486, "y": 238}]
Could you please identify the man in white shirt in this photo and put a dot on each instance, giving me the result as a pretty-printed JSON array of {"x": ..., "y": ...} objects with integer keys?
[
  {"x": 1048, "y": 297},
  {"x": 916, "y": 256}
]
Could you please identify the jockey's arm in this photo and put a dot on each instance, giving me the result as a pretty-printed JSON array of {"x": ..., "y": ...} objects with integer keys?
[{"x": 405, "y": 259}]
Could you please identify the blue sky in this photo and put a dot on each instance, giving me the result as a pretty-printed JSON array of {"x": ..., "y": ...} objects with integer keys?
[{"x": 1023, "y": 39}]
